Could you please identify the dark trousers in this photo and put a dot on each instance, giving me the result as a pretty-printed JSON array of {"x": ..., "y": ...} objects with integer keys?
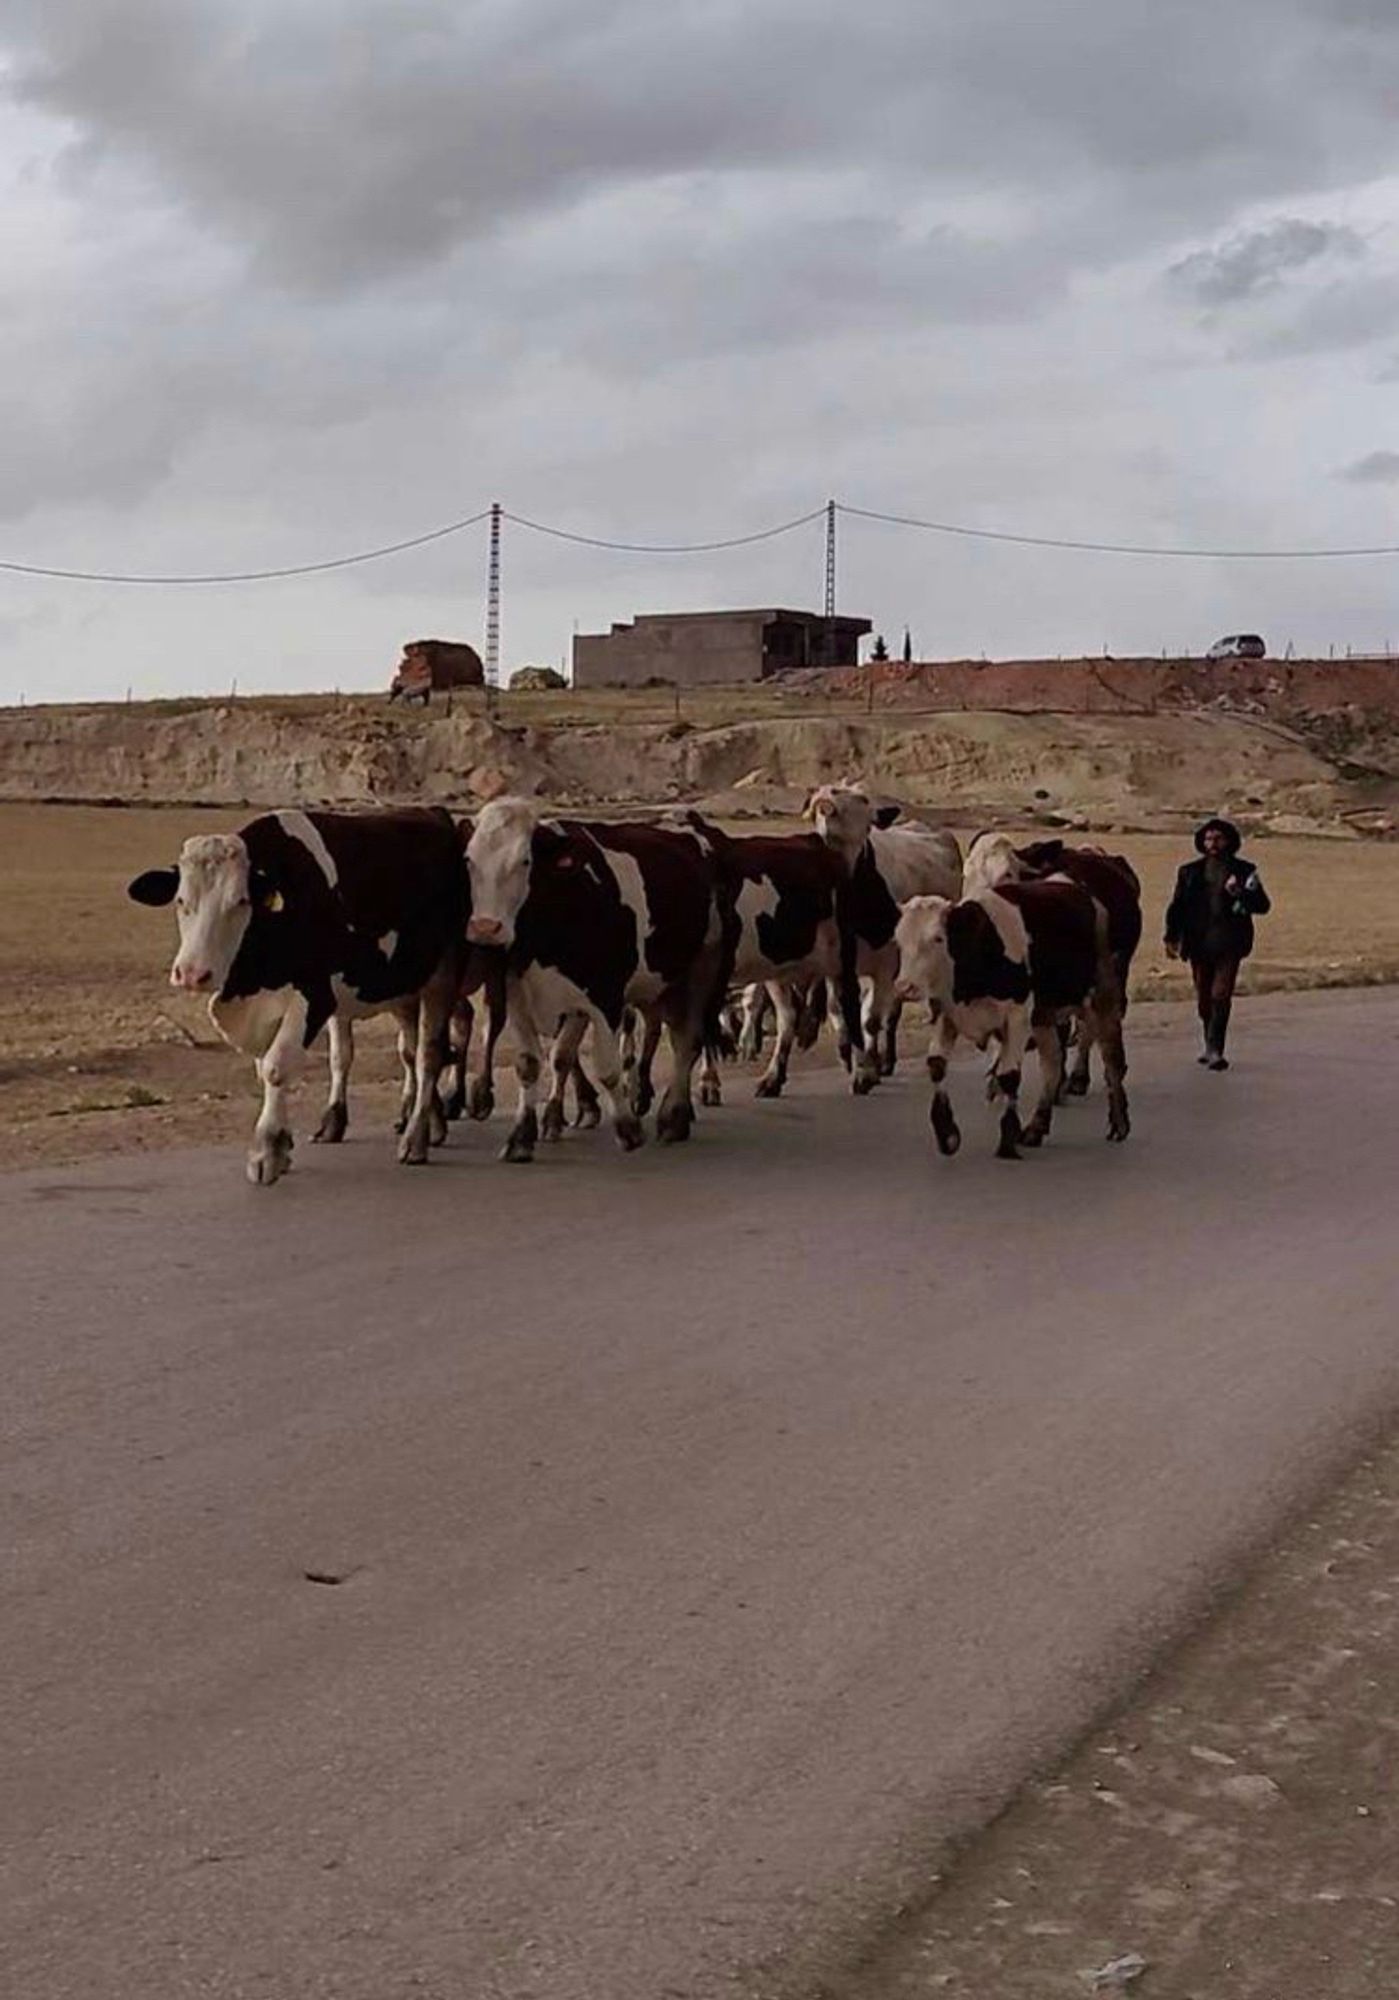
[{"x": 1215, "y": 979}]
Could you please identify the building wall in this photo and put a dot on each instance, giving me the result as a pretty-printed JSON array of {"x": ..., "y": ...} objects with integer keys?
[{"x": 693, "y": 652}]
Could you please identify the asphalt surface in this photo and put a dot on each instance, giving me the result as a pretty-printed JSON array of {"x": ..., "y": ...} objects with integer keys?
[{"x": 719, "y": 1529}]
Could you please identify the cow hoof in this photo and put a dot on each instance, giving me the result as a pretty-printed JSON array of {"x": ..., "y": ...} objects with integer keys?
[
  {"x": 1033, "y": 1135},
  {"x": 710, "y": 1096},
  {"x": 863, "y": 1081},
  {"x": 331, "y": 1129},
  {"x": 945, "y": 1127},
  {"x": 1119, "y": 1129},
  {"x": 589, "y": 1116},
  {"x": 674, "y": 1123},
  {"x": 412, "y": 1149},
  {"x": 1076, "y": 1086},
  {"x": 516, "y": 1153},
  {"x": 768, "y": 1086},
  {"x": 452, "y": 1107},
  {"x": 629, "y": 1133},
  {"x": 437, "y": 1125},
  {"x": 270, "y": 1161},
  {"x": 1007, "y": 1151},
  {"x": 480, "y": 1098},
  {"x": 551, "y": 1124}
]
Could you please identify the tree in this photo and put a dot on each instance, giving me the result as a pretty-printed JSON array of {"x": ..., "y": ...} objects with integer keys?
[
  {"x": 908, "y": 647},
  {"x": 879, "y": 651}
]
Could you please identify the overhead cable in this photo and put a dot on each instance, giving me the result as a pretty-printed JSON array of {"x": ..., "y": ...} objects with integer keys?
[
  {"x": 1111, "y": 548},
  {"x": 249, "y": 575},
  {"x": 668, "y": 548}
]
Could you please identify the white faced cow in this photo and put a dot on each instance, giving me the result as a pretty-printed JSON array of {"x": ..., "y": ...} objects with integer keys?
[
  {"x": 887, "y": 860},
  {"x": 590, "y": 918},
  {"x": 306, "y": 920},
  {"x": 1011, "y": 965}
]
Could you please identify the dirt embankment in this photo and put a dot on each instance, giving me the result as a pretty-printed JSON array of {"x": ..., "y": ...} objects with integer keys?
[{"x": 983, "y": 742}]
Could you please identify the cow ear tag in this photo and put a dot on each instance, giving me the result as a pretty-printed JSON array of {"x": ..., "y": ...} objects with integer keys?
[{"x": 274, "y": 901}]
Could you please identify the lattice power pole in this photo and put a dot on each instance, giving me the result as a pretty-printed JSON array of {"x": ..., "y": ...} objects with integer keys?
[
  {"x": 830, "y": 558},
  {"x": 493, "y": 611}
]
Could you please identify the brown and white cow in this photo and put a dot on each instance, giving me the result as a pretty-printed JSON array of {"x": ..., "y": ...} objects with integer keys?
[
  {"x": 302, "y": 921},
  {"x": 1011, "y": 965},
  {"x": 1109, "y": 878},
  {"x": 592, "y": 917},
  {"x": 888, "y": 859},
  {"x": 784, "y": 929}
]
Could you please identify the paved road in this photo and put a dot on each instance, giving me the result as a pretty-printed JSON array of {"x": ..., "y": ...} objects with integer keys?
[{"x": 719, "y": 1528}]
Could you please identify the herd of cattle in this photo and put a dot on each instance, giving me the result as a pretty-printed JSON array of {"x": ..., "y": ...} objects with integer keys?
[{"x": 598, "y": 937}]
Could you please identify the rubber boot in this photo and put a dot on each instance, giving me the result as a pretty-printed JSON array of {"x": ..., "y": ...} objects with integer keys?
[{"x": 1218, "y": 1035}]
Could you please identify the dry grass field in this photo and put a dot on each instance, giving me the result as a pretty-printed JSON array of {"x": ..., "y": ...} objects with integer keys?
[{"x": 97, "y": 1053}]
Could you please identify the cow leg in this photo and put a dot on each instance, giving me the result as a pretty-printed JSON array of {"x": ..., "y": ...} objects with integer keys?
[
  {"x": 835, "y": 1015},
  {"x": 641, "y": 1037},
  {"x": 277, "y": 1071},
  {"x": 458, "y": 1053},
  {"x": 563, "y": 1057},
  {"x": 480, "y": 1091},
  {"x": 426, "y": 1123},
  {"x": 1107, "y": 1015},
  {"x": 608, "y": 1060},
  {"x": 750, "y": 1037},
  {"x": 1076, "y": 1082},
  {"x": 1007, "y": 1080},
  {"x": 520, "y": 1143},
  {"x": 406, "y": 1014},
  {"x": 889, "y": 1058},
  {"x": 869, "y": 1066},
  {"x": 946, "y": 1130},
  {"x": 685, "y": 1020},
  {"x": 774, "y": 1077},
  {"x": 813, "y": 1004},
  {"x": 1051, "y": 1054},
  {"x": 336, "y": 1115}
]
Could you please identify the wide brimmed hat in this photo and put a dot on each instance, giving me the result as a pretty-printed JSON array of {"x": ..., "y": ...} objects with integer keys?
[{"x": 1233, "y": 839}]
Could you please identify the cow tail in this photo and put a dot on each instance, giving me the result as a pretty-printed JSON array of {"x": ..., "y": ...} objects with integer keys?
[{"x": 849, "y": 972}]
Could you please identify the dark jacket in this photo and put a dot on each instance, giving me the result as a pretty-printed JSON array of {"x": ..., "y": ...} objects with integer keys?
[{"x": 1200, "y": 931}]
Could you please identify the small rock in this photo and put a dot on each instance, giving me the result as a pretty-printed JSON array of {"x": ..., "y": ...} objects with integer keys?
[
  {"x": 1118, "y": 1972},
  {"x": 1208, "y": 1756},
  {"x": 1252, "y": 1788}
]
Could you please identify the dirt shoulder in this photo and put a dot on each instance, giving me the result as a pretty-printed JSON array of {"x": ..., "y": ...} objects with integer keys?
[{"x": 1234, "y": 1828}]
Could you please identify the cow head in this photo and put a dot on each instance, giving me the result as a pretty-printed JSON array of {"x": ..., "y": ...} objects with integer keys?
[
  {"x": 925, "y": 964},
  {"x": 511, "y": 848},
  {"x": 1042, "y": 857},
  {"x": 843, "y": 816},
  {"x": 214, "y": 889},
  {"x": 991, "y": 858}
]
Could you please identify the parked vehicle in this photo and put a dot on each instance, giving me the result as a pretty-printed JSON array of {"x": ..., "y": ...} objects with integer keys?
[{"x": 1238, "y": 646}]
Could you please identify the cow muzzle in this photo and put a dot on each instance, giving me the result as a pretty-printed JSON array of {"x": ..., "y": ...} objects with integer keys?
[
  {"x": 191, "y": 978},
  {"x": 486, "y": 930}
]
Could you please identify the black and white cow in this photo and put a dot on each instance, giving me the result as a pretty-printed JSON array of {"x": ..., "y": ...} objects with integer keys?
[
  {"x": 888, "y": 860},
  {"x": 592, "y": 918},
  {"x": 1011, "y": 964},
  {"x": 307, "y": 920}
]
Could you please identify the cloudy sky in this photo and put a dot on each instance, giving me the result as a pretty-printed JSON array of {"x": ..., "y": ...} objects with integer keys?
[{"x": 286, "y": 279}]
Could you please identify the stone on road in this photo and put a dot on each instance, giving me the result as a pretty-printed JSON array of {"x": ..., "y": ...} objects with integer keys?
[{"x": 616, "y": 1580}]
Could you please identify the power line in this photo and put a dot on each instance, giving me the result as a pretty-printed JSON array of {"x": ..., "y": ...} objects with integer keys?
[
  {"x": 250, "y": 575},
  {"x": 669, "y": 548},
  {"x": 1111, "y": 548}
]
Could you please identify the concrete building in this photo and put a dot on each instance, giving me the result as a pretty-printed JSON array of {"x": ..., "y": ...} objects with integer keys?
[{"x": 695, "y": 648}]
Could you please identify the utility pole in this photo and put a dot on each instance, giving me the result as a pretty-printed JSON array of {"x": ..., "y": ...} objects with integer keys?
[
  {"x": 830, "y": 558},
  {"x": 493, "y": 613}
]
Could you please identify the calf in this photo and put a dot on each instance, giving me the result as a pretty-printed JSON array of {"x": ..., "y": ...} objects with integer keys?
[
  {"x": 303, "y": 920},
  {"x": 1013, "y": 963},
  {"x": 887, "y": 861},
  {"x": 589, "y": 918}
]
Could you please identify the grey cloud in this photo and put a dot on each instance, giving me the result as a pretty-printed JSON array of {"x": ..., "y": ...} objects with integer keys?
[
  {"x": 1376, "y": 468},
  {"x": 1259, "y": 260},
  {"x": 1336, "y": 317}
]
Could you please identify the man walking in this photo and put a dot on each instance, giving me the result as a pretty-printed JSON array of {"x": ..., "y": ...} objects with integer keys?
[{"x": 1210, "y": 924}]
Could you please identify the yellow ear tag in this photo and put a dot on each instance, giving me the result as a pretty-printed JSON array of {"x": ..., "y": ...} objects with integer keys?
[{"x": 276, "y": 901}]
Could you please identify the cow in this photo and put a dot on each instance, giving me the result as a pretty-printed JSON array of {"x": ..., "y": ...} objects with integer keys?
[
  {"x": 1012, "y": 964},
  {"x": 783, "y": 929},
  {"x": 1109, "y": 878},
  {"x": 589, "y": 917},
  {"x": 302, "y": 921},
  {"x": 887, "y": 861},
  {"x": 1114, "y": 885}
]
